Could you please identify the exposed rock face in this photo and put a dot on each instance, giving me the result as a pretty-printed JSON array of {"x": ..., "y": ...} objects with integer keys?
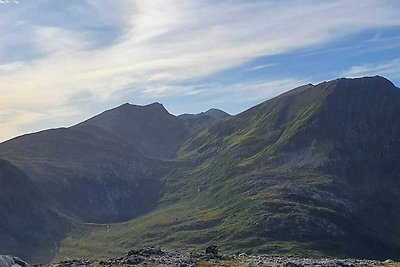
[{"x": 9, "y": 261}]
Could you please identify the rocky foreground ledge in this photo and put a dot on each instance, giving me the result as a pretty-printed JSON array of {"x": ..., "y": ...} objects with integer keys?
[
  {"x": 158, "y": 257},
  {"x": 8, "y": 261}
]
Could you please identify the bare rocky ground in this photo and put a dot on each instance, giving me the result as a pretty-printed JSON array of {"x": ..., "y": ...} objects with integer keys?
[{"x": 157, "y": 257}]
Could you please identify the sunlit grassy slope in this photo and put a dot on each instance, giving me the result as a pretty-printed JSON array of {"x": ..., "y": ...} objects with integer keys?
[
  {"x": 313, "y": 171},
  {"x": 227, "y": 214}
]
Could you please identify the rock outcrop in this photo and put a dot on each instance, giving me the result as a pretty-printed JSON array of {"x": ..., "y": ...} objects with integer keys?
[
  {"x": 163, "y": 258},
  {"x": 9, "y": 261}
]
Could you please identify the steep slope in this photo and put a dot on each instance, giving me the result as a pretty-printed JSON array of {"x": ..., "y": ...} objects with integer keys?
[
  {"x": 94, "y": 172},
  {"x": 315, "y": 171},
  {"x": 86, "y": 176},
  {"x": 27, "y": 228},
  {"x": 322, "y": 160},
  {"x": 150, "y": 129},
  {"x": 97, "y": 170}
]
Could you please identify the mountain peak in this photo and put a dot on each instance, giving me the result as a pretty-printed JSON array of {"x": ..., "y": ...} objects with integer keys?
[
  {"x": 150, "y": 129},
  {"x": 370, "y": 85},
  {"x": 156, "y": 106},
  {"x": 213, "y": 113},
  {"x": 216, "y": 113},
  {"x": 367, "y": 80},
  {"x": 125, "y": 105},
  {"x": 153, "y": 106},
  {"x": 375, "y": 87}
]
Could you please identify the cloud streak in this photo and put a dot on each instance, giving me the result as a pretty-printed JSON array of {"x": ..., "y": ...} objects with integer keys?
[
  {"x": 158, "y": 45},
  {"x": 389, "y": 69}
]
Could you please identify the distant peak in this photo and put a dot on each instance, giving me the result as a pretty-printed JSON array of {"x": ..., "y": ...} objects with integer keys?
[
  {"x": 125, "y": 105},
  {"x": 213, "y": 113},
  {"x": 216, "y": 113},
  {"x": 155, "y": 104},
  {"x": 214, "y": 109}
]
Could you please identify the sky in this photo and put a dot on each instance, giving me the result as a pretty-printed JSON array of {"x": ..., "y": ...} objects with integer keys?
[{"x": 64, "y": 61}]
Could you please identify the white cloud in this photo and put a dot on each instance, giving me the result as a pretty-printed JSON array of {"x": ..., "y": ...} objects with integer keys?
[
  {"x": 233, "y": 93},
  {"x": 388, "y": 69},
  {"x": 259, "y": 67},
  {"x": 246, "y": 92},
  {"x": 163, "y": 42},
  {"x": 9, "y": 2}
]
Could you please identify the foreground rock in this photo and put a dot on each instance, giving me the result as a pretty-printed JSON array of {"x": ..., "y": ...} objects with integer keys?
[
  {"x": 9, "y": 261},
  {"x": 295, "y": 261},
  {"x": 157, "y": 257}
]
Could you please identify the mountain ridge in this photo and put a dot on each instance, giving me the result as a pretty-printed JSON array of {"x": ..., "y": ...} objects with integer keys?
[
  {"x": 214, "y": 113},
  {"x": 310, "y": 171},
  {"x": 276, "y": 178}
]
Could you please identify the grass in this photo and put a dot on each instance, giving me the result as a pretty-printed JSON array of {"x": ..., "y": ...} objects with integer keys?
[
  {"x": 191, "y": 216},
  {"x": 235, "y": 190}
]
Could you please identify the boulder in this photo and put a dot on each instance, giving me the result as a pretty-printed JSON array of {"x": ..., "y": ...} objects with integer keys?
[
  {"x": 146, "y": 252},
  {"x": 212, "y": 250},
  {"x": 9, "y": 261}
]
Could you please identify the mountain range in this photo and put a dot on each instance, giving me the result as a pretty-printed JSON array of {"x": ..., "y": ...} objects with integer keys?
[{"x": 314, "y": 171}]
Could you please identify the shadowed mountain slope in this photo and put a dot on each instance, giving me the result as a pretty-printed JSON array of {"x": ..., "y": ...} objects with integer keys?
[
  {"x": 149, "y": 129},
  {"x": 313, "y": 171},
  {"x": 28, "y": 227},
  {"x": 87, "y": 176},
  {"x": 91, "y": 172}
]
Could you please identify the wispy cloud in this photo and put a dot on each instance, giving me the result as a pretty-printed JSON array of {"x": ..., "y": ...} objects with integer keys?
[
  {"x": 9, "y": 2},
  {"x": 388, "y": 69},
  {"x": 155, "y": 45},
  {"x": 259, "y": 67},
  {"x": 238, "y": 92}
]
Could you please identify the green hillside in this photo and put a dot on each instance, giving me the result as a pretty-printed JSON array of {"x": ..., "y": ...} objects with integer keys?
[{"x": 313, "y": 171}]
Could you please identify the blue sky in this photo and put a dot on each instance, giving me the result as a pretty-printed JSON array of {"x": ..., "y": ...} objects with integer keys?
[{"x": 63, "y": 61}]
